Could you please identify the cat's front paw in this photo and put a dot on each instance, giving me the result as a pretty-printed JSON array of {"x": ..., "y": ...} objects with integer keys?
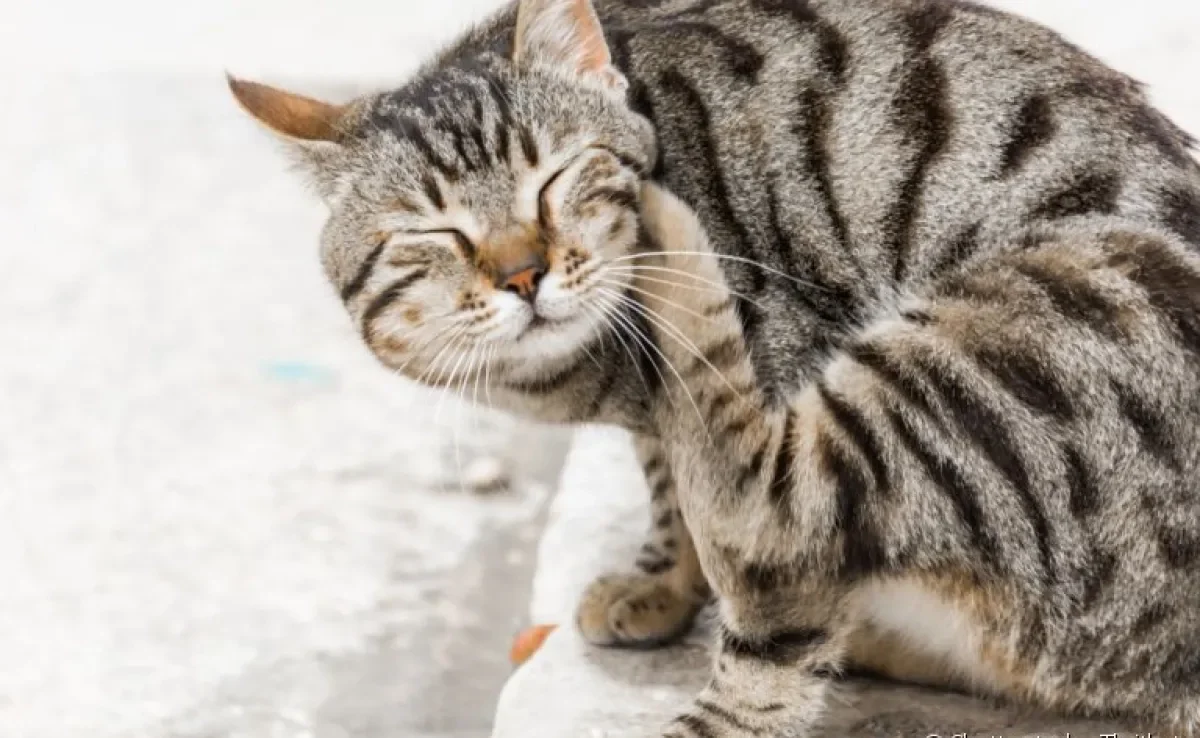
[
  {"x": 634, "y": 611},
  {"x": 711, "y": 718}
]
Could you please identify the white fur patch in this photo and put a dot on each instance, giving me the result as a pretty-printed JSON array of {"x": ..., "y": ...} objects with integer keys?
[
  {"x": 554, "y": 302},
  {"x": 932, "y": 625}
]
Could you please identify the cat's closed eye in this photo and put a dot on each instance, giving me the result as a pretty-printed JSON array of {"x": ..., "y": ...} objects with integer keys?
[
  {"x": 435, "y": 236},
  {"x": 543, "y": 207}
]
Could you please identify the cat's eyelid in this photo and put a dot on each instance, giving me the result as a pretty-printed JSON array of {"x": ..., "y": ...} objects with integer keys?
[
  {"x": 552, "y": 180},
  {"x": 544, "y": 220},
  {"x": 566, "y": 164},
  {"x": 461, "y": 239},
  {"x": 577, "y": 157},
  {"x": 562, "y": 167},
  {"x": 458, "y": 224}
]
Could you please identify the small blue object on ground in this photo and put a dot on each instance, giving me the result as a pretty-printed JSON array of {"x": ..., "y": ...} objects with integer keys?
[{"x": 299, "y": 371}]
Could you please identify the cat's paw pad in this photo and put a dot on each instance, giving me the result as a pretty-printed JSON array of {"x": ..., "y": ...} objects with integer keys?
[{"x": 633, "y": 611}]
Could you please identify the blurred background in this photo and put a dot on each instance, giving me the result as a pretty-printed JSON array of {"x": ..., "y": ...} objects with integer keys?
[{"x": 218, "y": 515}]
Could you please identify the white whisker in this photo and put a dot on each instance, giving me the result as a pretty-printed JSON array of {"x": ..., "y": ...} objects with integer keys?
[
  {"x": 635, "y": 331},
  {"x": 584, "y": 347},
  {"x": 613, "y": 319},
  {"x": 613, "y": 328},
  {"x": 414, "y": 352},
  {"x": 450, "y": 341},
  {"x": 726, "y": 257},
  {"x": 665, "y": 301},
  {"x": 674, "y": 332},
  {"x": 634, "y": 270},
  {"x": 487, "y": 374},
  {"x": 452, "y": 376},
  {"x": 473, "y": 350},
  {"x": 443, "y": 379}
]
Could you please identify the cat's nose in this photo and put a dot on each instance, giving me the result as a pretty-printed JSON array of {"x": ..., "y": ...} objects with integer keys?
[{"x": 524, "y": 279}]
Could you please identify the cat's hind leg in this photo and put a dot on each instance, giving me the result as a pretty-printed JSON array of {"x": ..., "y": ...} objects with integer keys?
[{"x": 657, "y": 604}]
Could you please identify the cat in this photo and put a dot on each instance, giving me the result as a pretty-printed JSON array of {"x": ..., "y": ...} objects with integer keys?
[{"x": 900, "y": 300}]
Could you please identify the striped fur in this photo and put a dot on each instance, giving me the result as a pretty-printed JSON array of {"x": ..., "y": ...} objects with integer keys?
[
  {"x": 912, "y": 361},
  {"x": 987, "y": 488}
]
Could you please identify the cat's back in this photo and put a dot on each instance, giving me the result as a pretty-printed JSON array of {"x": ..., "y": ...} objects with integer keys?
[
  {"x": 887, "y": 72},
  {"x": 865, "y": 146}
]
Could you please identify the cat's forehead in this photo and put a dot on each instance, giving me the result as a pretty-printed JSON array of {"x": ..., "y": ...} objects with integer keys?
[{"x": 477, "y": 154}]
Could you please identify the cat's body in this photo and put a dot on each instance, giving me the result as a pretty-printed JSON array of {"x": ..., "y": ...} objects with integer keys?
[
  {"x": 867, "y": 146},
  {"x": 933, "y": 408},
  {"x": 941, "y": 506}
]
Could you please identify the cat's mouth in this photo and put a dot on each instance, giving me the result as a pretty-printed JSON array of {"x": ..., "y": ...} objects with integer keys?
[
  {"x": 539, "y": 323},
  {"x": 543, "y": 318},
  {"x": 549, "y": 331}
]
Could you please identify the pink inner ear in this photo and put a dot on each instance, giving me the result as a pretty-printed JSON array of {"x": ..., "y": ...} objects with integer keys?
[{"x": 594, "y": 55}]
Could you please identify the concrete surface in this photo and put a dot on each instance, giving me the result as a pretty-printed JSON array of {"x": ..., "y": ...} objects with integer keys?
[{"x": 218, "y": 516}]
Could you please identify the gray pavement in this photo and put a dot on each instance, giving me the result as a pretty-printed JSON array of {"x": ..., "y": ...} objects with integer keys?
[{"x": 218, "y": 515}]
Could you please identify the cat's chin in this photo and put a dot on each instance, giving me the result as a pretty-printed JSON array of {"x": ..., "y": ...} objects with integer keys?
[{"x": 549, "y": 340}]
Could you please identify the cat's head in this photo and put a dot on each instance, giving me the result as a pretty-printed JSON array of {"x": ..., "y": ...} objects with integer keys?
[{"x": 479, "y": 214}]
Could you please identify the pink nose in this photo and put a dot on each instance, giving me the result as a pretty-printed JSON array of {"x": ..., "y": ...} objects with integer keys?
[{"x": 523, "y": 282}]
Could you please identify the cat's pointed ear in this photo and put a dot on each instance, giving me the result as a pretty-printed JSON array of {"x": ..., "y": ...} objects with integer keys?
[
  {"x": 295, "y": 118},
  {"x": 566, "y": 34},
  {"x": 312, "y": 131}
]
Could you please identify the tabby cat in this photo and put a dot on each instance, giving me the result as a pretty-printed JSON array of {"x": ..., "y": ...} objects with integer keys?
[{"x": 928, "y": 405}]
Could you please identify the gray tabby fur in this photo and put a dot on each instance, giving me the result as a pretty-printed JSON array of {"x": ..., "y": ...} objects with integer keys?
[{"x": 929, "y": 405}]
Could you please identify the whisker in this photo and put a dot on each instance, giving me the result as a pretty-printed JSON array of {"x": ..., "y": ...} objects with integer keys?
[
  {"x": 584, "y": 347},
  {"x": 483, "y": 350},
  {"x": 413, "y": 353},
  {"x": 451, "y": 377},
  {"x": 716, "y": 286},
  {"x": 682, "y": 308},
  {"x": 451, "y": 341},
  {"x": 432, "y": 336},
  {"x": 441, "y": 379},
  {"x": 437, "y": 414},
  {"x": 417, "y": 352},
  {"x": 672, "y": 330},
  {"x": 611, "y": 317},
  {"x": 646, "y": 342},
  {"x": 487, "y": 374},
  {"x": 425, "y": 375},
  {"x": 612, "y": 328},
  {"x": 726, "y": 257},
  {"x": 474, "y": 354},
  {"x": 624, "y": 267},
  {"x": 477, "y": 355},
  {"x": 635, "y": 331}
]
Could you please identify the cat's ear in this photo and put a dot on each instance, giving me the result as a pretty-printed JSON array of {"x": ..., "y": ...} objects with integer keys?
[
  {"x": 566, "y": 34},
  {"x": 296, "y": 118},
  {"x": 312, "y": 130}
]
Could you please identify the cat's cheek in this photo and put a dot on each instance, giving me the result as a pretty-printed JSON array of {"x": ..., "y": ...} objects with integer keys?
[
  {"x": 555, "y": 302},
  {"x": 614, "y": 235}
]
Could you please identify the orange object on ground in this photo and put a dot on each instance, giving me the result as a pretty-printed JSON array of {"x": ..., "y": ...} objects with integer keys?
[{"x": 527, "y": 642}]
